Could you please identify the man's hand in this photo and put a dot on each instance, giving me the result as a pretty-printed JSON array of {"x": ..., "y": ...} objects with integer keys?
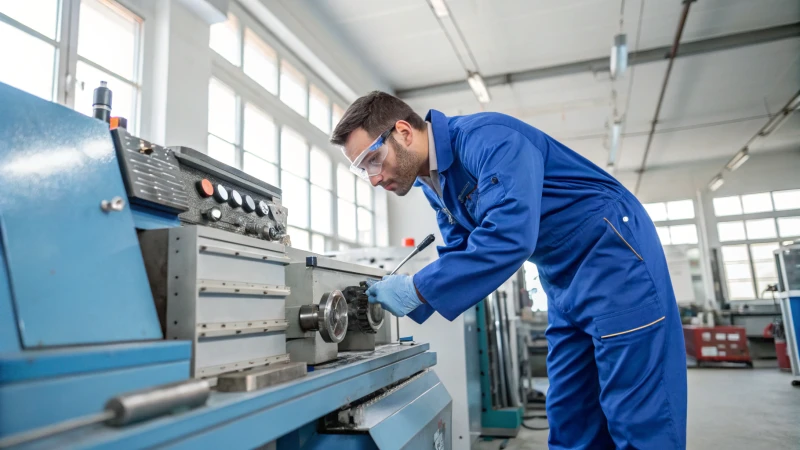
[{"x": 396, "y": 293}]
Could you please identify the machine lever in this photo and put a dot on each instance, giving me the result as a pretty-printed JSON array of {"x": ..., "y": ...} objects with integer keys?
[{"x": 422, "y": 245}]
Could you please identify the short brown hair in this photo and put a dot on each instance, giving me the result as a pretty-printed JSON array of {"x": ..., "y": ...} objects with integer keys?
[{"x": 375, "y": 112}]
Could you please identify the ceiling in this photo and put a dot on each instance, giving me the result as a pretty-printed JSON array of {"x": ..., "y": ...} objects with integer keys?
[{"x": 713, "y": 104}]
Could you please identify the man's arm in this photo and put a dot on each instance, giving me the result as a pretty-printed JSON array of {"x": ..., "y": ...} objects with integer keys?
[
  {"x": 455, "y": 239},
  {"x": 510, "y": 173}
]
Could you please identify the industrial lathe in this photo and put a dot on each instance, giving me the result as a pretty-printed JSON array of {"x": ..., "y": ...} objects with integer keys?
[{"x": 150, "y": 297}]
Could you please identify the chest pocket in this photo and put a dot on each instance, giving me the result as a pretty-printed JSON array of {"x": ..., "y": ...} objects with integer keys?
[{"x": 478, "y": 199}]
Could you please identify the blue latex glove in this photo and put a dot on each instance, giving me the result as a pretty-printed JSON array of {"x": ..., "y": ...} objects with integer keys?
[{"x": 396, "y": 293}]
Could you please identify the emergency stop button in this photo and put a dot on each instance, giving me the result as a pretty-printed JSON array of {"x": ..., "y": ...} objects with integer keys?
[{"x": 205, "y": 188}]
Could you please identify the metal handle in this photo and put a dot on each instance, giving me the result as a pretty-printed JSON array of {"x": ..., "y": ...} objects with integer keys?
[
  {"x": 422, "y": 245},
  {"x": 115, "y": 204}
]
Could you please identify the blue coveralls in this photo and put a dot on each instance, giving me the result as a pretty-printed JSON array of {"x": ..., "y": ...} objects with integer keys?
[{"x": 511, "y": 193}]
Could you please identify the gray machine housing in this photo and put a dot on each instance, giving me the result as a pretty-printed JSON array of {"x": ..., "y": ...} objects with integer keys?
[
  {"x": 223, "y": 291},
  {"x": 312, "y": 276}
]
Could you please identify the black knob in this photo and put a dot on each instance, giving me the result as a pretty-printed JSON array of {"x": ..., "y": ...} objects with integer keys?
[
  {"x": 213, "y": 214},
  {"x": 249, "y": 205},
  {"x": 272, "y": 234},
  {"x": 235, "y": 199},
  {"x": 220, "y": 193},
  {"x": 262, "y": 209}
]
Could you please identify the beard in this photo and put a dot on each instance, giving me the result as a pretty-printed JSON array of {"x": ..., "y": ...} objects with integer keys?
[{"x": 408, "y": 164}]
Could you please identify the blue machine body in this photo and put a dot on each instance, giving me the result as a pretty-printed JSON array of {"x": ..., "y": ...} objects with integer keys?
[
  {"x": 78, "y": 325},
  {"x": 787, "y": 259}
]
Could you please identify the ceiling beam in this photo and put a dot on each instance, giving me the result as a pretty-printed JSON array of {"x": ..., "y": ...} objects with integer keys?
[{"x": 727, "y": 42}]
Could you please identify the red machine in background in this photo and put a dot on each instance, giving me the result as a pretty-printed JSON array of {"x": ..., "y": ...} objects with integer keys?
[{"x": 717, "y": 344}]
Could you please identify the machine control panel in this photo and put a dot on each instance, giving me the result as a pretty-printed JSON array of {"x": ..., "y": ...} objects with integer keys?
[
  {"x": 226, "y": 198},
  {"x": 151, "y": 173}
]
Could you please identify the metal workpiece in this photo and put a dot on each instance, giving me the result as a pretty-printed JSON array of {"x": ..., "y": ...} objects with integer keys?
[
  {"x": 260, "y": 378},
  {"x": 329, "y": 317},
  {"x": 150, "y": 403}
]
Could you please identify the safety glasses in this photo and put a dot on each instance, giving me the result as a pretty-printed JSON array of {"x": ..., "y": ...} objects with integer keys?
[{"x": 369, "y": 163}]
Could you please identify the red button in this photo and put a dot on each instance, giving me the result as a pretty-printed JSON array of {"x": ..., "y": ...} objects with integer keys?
[{"x": 205, "y": 188}]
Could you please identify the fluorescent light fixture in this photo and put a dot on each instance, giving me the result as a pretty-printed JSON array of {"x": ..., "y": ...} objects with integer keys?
[
  {"x": 738, "y": 159},
  {"x": 716, "y": 182},
  {"x": 478, "y": 86},
  {"x": 775, "y": 122},
  {"x": 439, "y": 8},
  {"x": 613, "y": 142},
  {"x": 619, "y": 56},
  {"x": 795, "y": 103}
]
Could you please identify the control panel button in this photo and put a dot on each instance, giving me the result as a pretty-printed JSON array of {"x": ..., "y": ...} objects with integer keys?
[
  {"x": 235, "y": 199},
  {"x": 249, "y": 205},
  {"x": 220, "y": 193},
  {"x": 205, "y": 188},
  {"x": 262, "y": 209},
  {"x": 213, "y": 214}
]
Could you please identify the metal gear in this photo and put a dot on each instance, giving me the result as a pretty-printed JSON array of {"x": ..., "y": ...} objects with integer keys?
[{"x": 362, "y": 316}]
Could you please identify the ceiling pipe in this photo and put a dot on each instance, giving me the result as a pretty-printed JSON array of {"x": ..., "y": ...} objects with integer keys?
[{"x": 674, "y": 51}]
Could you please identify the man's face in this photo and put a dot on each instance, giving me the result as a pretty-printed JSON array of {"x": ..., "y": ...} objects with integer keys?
[{"x": 399, "y": 169}]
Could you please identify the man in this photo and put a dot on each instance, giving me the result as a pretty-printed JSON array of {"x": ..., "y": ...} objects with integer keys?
[{"x": 505, "y": 192}]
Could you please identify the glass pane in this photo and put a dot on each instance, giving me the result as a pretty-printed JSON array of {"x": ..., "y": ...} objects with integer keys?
[
  {"x": 222, "y": 151},
  {"x": 732, "y": 253},
  {"x": 755, "y": 203},
  {"x": 741, "y": 290},
  {"x": 221, "y": 110},
  {"x": 317, "y": 243},
  {"x": 108, "y": 35},
  {"x": 321, "y": 168},
  {"x": 727, "y": 206},
  {"x": 293, "y": 88},
  {"x": 738, "y": 271},
  {"x": 663, "y": 234},
  {"x": 295, "y": 197},
  {"x": 260, "y": 169},
  {"x": 41, "y": 15},
  {"x": 343, "y": 246},
  {"x": 347, "y": 220},
  {"x": 789, "y": 226},
  {"x": 761, "y": 229},
  {"x": 765, "y": 269},
  {"x": 364, "y": 193},
  {"x": 731, "y": 231},
  {"x": 29, "y": 63},
  {"x": 259, "y": 133},
  {"x": 319, "y": 110},
  {"x": 124, "y": 95},
  {"x": 656, "y": 211},
  {"x": 681, "y": 209},
  {"x": 336, "y": 114},
  {"x": 321, "y": 210},
  {"x": 365, "y": 227},
  {"x": 786, "y": 200},
  {"x": 260, "y": 61},
  {"x": 683, "y": 234},
  {"x": 294, "y": 152},
  {"x": 763, "y": 252},
  {"x": 345, "y": 183},
  {"x": 299, "y": 238},
  {"x": 225, "y": 39}
]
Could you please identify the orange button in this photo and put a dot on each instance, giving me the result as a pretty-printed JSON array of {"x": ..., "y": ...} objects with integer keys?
[{"x": 205, "y": 188}]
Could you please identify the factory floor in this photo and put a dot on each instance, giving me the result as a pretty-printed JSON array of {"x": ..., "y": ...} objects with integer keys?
[{"x": 732, "y": 408}]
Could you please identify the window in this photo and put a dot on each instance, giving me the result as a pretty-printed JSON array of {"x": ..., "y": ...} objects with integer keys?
[
  {"x": 247, "y": 130},
  {"x": 676, "y": 210},
  {"x": 336, "y": 115},
  {"x": 319, "y": 110},
  {"x": 30, "y": 63},
  {"x": 225, "y": 39},
  {"x": 260, "y": 61},
  {"x": 294, "y": 91},
  {"x": 753, "y": 269}
]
